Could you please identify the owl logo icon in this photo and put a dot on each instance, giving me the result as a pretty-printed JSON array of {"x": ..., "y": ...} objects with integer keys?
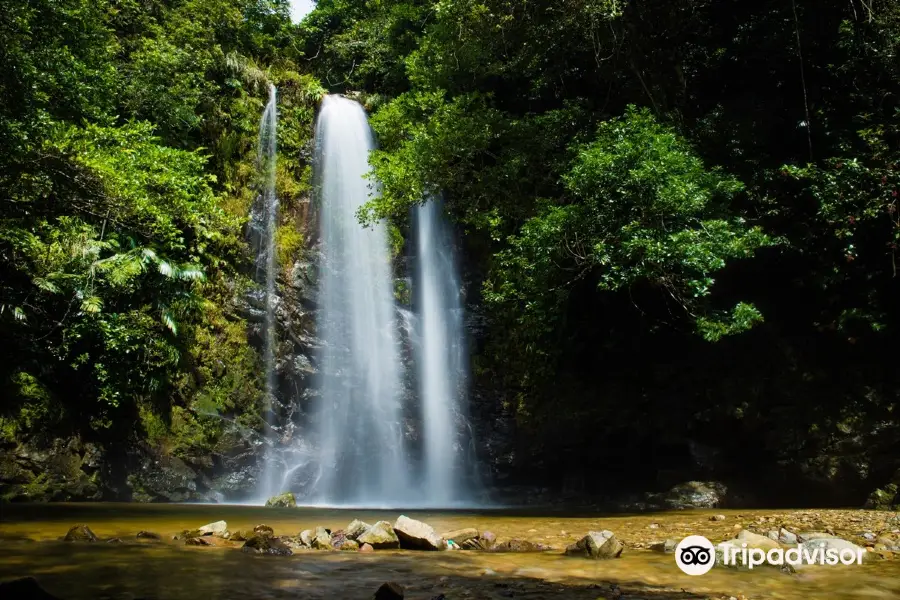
[{"x": 695, "y": 555}]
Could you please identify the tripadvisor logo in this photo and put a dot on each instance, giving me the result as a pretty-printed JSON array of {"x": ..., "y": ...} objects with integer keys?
[{"x": 696, "y": 555}]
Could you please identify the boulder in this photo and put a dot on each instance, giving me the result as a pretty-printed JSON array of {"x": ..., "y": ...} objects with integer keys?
[
  {"x": 25, "y": 588},
  {"x": 306, "y": 537},
  {"x": 355, "y": 529},
  {"x": 218, "y": 528},
  {"x": 717, "y": 518},
  {"x": 460, "y": 535},
  {"x": 348, "y": 544},
  {"x": 597, "y": 545},
  {"x": 285, "y": 500},
  {"x": 366, "y": 548},
  {"x": 380, "y": 536},
  {"x": 518, "y": 546},
  {"x": 389, "y": 591},
  {"x": 886, "y": 498},
  {"x": 80, "y": 533},
  {"x": 666, "y": 547},
  {"x": 416, "y": 535},
  {"x": 696, "y": 494},
  {"x": 321, "y": 539},
  {"x": 754, "y": 540},
  {"x": 263, "y": 530},
  {"x": 148, "y": 535},
  {"x": 266, "y": 544}
]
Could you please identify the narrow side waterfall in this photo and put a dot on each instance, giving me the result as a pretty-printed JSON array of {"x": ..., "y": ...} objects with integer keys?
[
  {"x": 358, "y": 422},
  {"x": 262, "y": 230},
  {"x": 439, "y": 354}
]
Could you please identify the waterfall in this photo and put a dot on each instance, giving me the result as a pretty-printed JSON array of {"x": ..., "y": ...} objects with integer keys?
[
  {"x": 439, "y": 353},
  {"x": 262, "y": 233},
  {"x": 358, "y": 421}
]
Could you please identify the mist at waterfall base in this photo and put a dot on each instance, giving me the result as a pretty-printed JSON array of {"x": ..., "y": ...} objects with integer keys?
[{"x": 356, "y": 447}]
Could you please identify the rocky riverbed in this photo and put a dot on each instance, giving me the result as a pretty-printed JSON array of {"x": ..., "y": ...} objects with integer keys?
[{"x": 171, "y": 551}]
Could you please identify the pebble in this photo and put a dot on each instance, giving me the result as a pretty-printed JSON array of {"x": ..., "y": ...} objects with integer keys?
[{"x": 717, "y": 518}]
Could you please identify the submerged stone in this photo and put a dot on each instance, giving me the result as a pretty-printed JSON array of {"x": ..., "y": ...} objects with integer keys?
[
  {"x": 518, "y": 546},
  {"x": 389, "y": 591},
  {"x": 148, "y": 535},
  {"x": 196, "y": 541}
]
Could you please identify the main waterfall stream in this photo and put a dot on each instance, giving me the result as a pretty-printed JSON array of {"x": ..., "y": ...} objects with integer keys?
[
  {"x": 367, "y": 438},
  {"x": 358, "y": 423}
]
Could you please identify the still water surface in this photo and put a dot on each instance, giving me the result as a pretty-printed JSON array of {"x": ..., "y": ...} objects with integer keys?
[{"x": 29, "y": 545}]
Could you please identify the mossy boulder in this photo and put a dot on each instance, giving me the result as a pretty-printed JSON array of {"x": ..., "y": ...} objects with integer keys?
[
  {"x": 886, "y": 498},
  {"x": 355, "y": 529},
  {"x": 80, "y": 533},
  {"x": 285, "y": 500},
  {"x": 380, "y": 536}
]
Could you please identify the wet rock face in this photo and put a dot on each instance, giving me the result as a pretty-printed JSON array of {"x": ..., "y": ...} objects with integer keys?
[
  {"x": 65, "y": 470},
  {"x": 694, "y": 494},
  {"x": 168, "y": 479}
]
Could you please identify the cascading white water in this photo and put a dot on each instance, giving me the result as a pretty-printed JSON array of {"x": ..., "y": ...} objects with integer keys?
[
  {"x": 263, "y": 230},
  {"x": 357, "y": 424},
  {"x": 439, "y": 354}
]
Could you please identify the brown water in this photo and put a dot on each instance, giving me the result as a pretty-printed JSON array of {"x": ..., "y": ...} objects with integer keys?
[{"x": 168, "y": 570}]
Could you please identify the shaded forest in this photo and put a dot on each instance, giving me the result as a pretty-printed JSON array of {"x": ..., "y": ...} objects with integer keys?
[{"x": 679, "y": 222}]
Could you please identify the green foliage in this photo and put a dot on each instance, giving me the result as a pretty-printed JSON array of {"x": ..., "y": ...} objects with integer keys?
[
  {"x": 127, "y": 152},
  {"x": 748, "y": 200}
]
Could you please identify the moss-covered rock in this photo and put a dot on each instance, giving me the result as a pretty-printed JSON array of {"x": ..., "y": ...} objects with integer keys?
[
  {"x": 380, "y": 536},
  {"x": 885, "y": 498},
  {"x": 285, "y": 500},
  {"x": 80, "y": 533}
]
